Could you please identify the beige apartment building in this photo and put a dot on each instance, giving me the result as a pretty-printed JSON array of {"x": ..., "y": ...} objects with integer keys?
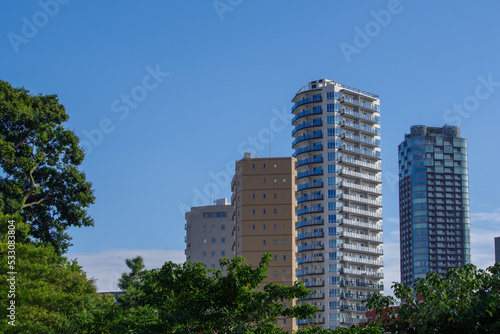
[
  {"x": 209, "y": 233},
  {"x": 264, "y": 214}
]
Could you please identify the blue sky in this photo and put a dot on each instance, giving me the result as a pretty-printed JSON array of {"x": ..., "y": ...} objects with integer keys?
[{"x": 166, "y": 95}]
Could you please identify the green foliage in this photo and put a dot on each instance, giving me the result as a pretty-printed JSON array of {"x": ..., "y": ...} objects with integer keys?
[
  {"x": 356, "y": 329},
  {"x": 136, "y": 266},
  {"x": 466, "y": 300},
  {"x": 188, "y": 298},
  {"x": 52, "y": 294},
  {"x": 38, "y": 160}
]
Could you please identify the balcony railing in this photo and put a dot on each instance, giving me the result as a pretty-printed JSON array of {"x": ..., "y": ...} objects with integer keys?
[
  {"x": 309, "y": 198},
  {"x": 375, "y": 190},
  {"x": 370, "y": 226},
  {"x": 315, "y": 122},
  {"x": 304, "y": 186},
  {"x": 366, "y": 141},
  {"x": 307, "y": 137},
  {"x": 314, "y": 283},
  {"x": 358, "y": 260},
  {"x": 310, "y": 222},
  {"x": 362, "y": 248},
  {"x": 309, "y": 210},
  {"x": 315, "y": 296},
  {"x": 315, "y": 147},
  {"x": 316, "y": 160},
  {"x": 361, "y": 272},
  {"x": 375, "y": 154},
  {"x": 307, "y": 173},
  {"x": 377, "y": 167},
  {"x": 365, "y": 176},
  {"x": 360, "y": 211},
  {"x": 364, "y": 285},
  {"x": 310, "y": 235},
  {"x": 368, "y": 118},
  {"x": 310, "y": 259},
  {"x": 318, "y": 271},
  {"x": 305, "y": 248},
  {"x": 356, "y": 102},
  {"x": 368, "y": 201},
  {"x": 364, "y": 128},
  {"x": 314, "y": 98},
  {"x": 307, "y": 113}
]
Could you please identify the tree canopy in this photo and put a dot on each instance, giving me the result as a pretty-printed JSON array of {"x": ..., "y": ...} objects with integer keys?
[
  {"x": 465, "y": 300},
  {"x": 39, "y": 159}
]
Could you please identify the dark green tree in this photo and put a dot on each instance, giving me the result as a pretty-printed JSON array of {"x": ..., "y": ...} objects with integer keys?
[
  {"x": 188, "y": 298},
  {"x": 127, "y": 280},
  {"x": 466, "y": 300},
  {"x": 39, "y": 159}
]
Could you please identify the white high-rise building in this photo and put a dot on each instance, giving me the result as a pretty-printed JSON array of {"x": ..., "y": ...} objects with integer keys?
[{"x": 339, "y": 199}]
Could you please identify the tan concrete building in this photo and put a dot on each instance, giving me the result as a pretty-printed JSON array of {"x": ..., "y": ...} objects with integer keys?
[
  {"x": 264, "y": 215},
  {"x": 209, "y": 233}
]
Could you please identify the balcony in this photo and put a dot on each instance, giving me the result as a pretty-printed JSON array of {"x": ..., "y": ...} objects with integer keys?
[
  {"x": 314, "y": 123},
  {"x": 349, "y": 209},
  {"x": 311, "y": 222},
  {"x": 352, "y": 101},
  {"x": 310, "y": 235},
  {"x": 366, "y": 118},
  {"x": 362, "y": 249},
  {"x": 370, "y": 226},
  {"x": 361, "y": 236},
  {"x": 358, "y": 139},
  {"x": 315, "y": 147},
  {"x": 317, "y": 321},
  {"x": 318, "y": 271},
  {"x": 305, "y": 248},
  {"x": 307, "y": 161},
  {"x": 355, "y": 296},
  {"x": 358, "y": 199},
  {"x": 366, "y": 152},
  {"x": 350, "y": 161},
  {"x": 365, "y": 176},
  {"x": 358, "y": 260},
  {"x": 308, "y": 173},
  {"x": 373, "y": 190},
  {"x": 364, "y": 128},
  {"x": 310, "y": 259},
  {"x": 314, "y": 284},
  {"x": 361, "y": 272},
  {"x": 315, "y": 296},
  {"x": 309, "y": 210},
  {"x": 362, "y": 285},
  {"x": 353, "y": 321},
  {"x": 304, "y": 186},
  {"x": 309, "y": 198},
  {"x": 312, "y": 99},
  {"x": 297, "y": 140},
  {"x": 306, "y": 113}
]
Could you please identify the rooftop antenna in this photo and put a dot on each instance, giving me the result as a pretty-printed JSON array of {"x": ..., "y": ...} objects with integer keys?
[{"x": 209, "y": 203}]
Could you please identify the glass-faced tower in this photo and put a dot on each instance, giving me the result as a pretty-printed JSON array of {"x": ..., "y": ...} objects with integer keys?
[
  {"x": 339, "y": 199},
  {"x": 433, "y": 201}
]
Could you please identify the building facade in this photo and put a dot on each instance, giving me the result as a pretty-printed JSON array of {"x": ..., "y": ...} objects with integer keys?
[
  {"x": 209, "y": 233},
  {"x": 433, "y": 201},
  {"x": 497, "y": 250},
  {"x": 264, "y": 215},
  {"x": 339, "y": 199}
]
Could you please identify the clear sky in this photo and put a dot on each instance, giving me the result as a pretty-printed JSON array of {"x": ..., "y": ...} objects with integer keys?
[{"x": 166, "y": 95}]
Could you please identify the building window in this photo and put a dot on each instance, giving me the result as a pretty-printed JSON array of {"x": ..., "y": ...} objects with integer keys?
[
  {"x": 213, "y": 240},
  {"x": 253, "y": 195},
  {"x": 275, "y": 166},
  {"x": 223, "y": 227},
  {"x": 275, "y": 195},
  {"x": 204, "y": 254},
  {"x": 264, "y": 166},
  {"x": 264, "y": 226},
  {"x": 264, "y": 180},
  {"x": 284, "y": 274},
  {"x": 253, "y": 211},
  {"x": 222, "y": 253},
  {"x": 204, "y": 228},
  {"x": 253, "y": 166},
  {"x": 204, "y": 241},
  {"x": 263, "y": 195},
  {"x": 275, "y": 180},
  {"x": 223, "y": 240},
  {"x": 263, "y": 242},
  {"x": 284, "y": 180},
  {"x": 275, "y": 273},
  {"x": 284, "y": 257},
  {"x": 275, "y": 226},
  {"x": 276, "y": 258},
  {"x": 284, "y": 241},
  {"x": 275, "y": 241},
  {"x": 264, "y": 211},
  {"x": 213, "y": 227},
  {"x": 213, "y": 253},
  {"x": 275, "y": 210}
]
